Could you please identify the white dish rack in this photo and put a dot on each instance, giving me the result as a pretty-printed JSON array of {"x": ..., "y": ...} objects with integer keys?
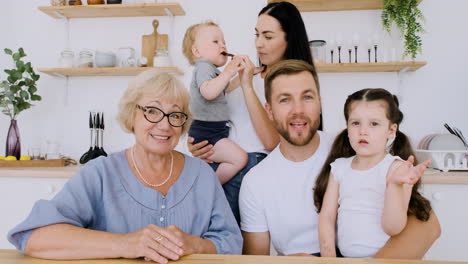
[{"x": 445, "y": 160}]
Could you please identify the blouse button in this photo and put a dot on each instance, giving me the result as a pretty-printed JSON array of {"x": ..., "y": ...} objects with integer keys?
[
  {"x": 161, "y": 219},
  {"x": 163, "y": 206}
]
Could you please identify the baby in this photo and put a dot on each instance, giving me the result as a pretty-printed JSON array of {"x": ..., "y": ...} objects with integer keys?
[{"x": 205, "y": 48}]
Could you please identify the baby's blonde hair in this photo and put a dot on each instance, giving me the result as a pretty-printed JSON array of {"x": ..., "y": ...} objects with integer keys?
[{"x": 190, "y": 37}]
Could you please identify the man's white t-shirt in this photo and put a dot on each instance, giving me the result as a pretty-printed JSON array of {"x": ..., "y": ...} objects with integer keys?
[
  {"x": 277, "y": 196},
  {"x": 242, "y": 131}
]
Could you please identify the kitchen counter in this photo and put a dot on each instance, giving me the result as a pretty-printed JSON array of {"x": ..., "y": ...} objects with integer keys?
[
  {"x": 40, "y": 172},
  {"x": 15, "y": 257},
  {"x": 431, "y": 176}
]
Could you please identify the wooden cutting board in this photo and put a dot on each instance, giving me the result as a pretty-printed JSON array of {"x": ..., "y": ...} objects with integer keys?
[
  {"x": 32, "y": 163},
  {"x": 150, "y": 43}
]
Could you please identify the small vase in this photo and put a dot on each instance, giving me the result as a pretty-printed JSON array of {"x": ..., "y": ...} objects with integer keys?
[{"x": 13, "y": 144}]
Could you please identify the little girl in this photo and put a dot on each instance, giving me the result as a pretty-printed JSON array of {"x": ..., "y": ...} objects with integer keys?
[
  {"x": 368, "y": 189},
  {"x": 204, "y": 47}
]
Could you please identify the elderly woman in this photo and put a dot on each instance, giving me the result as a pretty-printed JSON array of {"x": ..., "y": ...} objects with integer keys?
[{"x": 146, "y": 201}]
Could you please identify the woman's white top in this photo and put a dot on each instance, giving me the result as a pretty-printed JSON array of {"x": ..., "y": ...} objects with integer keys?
[{"x": 242, "y": 131}]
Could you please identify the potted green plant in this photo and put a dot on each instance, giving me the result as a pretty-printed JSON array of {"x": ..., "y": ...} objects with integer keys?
[
  {"x": 407, "y": 17},
  {"x": 16, "y": 94}
]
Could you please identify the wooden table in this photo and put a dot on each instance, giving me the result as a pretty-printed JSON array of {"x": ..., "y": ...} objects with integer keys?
[{"x": 15, "y": 257}]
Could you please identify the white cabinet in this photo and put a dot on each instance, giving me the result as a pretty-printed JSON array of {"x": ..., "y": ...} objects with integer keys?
[
  {"x": 17, "y": 197},
  {"x": 450, "y": 203}
]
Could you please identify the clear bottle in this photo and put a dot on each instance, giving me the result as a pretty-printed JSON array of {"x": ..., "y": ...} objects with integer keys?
[
  {"x": 86, "y": 59},
  {"x": 161, "y": 59},
  {"x": 66, "y": 58}
]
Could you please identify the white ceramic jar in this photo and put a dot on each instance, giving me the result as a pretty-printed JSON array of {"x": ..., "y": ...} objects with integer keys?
[
  {"x": 162, "y": 59},
  {"x": 66, "y": 58}
]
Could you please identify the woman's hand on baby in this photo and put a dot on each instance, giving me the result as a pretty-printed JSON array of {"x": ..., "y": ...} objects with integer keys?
[
  {"x": 405, "y": 172},
  {"x": 201, "y": 150},
  {"x": 153, "y": 243}
]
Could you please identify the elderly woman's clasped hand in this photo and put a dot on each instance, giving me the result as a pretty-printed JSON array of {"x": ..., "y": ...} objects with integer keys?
[{"x": 159, "y": 244}]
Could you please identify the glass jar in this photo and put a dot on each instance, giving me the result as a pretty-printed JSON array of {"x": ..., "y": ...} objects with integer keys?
[
  {"x": 86, "y": 59},
  {"x": 317, "y": 48},
  {"x": 58, "y": 2},
  {"x": 66, "y": 58},
  {"x": 161, "y": 59}
]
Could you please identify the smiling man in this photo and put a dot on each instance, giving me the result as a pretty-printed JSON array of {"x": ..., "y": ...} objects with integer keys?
[{"x": 276, "y": 197}]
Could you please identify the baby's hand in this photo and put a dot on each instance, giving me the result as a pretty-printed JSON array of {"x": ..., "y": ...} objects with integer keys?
[
  {"x": 405, "y": 172},
  {"x": 234, "y": 66}
]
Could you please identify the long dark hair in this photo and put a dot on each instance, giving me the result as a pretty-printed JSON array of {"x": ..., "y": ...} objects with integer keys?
[
  {"x": 341, "y": 148},
  {"x": 293, "y": 26}
]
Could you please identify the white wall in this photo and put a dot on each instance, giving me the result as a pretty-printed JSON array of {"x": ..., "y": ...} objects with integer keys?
[{"x": 435, "y": 94}]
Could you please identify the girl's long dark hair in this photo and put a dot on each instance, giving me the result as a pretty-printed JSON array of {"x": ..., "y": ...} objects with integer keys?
[
  {"x": 341, "y": 148},
  {"x": 293, "y": 26}
]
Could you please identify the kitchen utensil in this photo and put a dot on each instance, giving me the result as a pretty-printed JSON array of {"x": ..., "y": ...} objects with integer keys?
[
  {"x": 102, "y": 135},
  {"x": 94, "y": 153},
  {"x": 455, "y": 131},
  {"x": 459, "y": 134},
  {"x": 85, "y": 157},
  {"x": 349, "y": 55},
  {"x": 114, "y": 2},
  {"x": 99, "y": 151},
  {"x": 227, "y": 54},
  {"x": 150, "y": 43}
]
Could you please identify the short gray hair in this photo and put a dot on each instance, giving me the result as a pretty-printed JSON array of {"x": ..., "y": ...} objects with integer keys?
[{"x": 156, "y": 83}]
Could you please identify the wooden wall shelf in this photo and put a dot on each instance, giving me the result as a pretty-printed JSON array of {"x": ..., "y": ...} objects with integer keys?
[
  {"x": 114, "y": 10},
  {"x": 335, "y": 5},
  {"x": 370, "y": 67},
  {"x": 107, "y": 71}
]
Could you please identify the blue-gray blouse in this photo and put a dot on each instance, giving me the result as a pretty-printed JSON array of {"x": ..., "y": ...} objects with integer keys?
[{"x": 105, "y": 195}]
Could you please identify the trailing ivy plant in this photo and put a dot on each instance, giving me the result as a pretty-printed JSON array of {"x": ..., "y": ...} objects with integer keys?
[
  {"x": 407, "y": 17},
  {"x": 19, "y": 89}
]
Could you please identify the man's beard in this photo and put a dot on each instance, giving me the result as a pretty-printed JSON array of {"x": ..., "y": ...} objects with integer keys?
[{"x": 298, "y": 141}]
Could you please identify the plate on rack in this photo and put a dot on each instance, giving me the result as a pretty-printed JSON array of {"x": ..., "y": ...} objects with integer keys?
[{"x": 445, "y": 160}]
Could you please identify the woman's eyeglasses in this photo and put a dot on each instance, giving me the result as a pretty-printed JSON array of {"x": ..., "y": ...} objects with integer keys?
[{"x": 155, "y": 115}]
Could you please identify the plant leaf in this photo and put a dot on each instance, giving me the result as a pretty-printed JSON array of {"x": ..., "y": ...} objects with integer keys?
[
  {"x": 24, "y": 94},
  {"x": 8, "y": 51}
]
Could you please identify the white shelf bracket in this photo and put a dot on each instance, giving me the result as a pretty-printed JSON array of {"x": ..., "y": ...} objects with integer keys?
[
  {"x": 400, "y": 77},
  {"x": 56, "y": 74},
  {"x": 60, "y": 15},
  {"x": 168, "y": 12}
]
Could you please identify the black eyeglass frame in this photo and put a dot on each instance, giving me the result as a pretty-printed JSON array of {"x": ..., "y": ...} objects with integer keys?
[{"x": 145, "y": 108}]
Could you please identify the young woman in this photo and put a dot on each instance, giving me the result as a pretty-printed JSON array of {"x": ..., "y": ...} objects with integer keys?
[{"x": 280, "y": 35}]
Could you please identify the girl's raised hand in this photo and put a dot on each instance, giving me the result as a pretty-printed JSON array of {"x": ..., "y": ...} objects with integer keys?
[{"x": 405, "y": 172}]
